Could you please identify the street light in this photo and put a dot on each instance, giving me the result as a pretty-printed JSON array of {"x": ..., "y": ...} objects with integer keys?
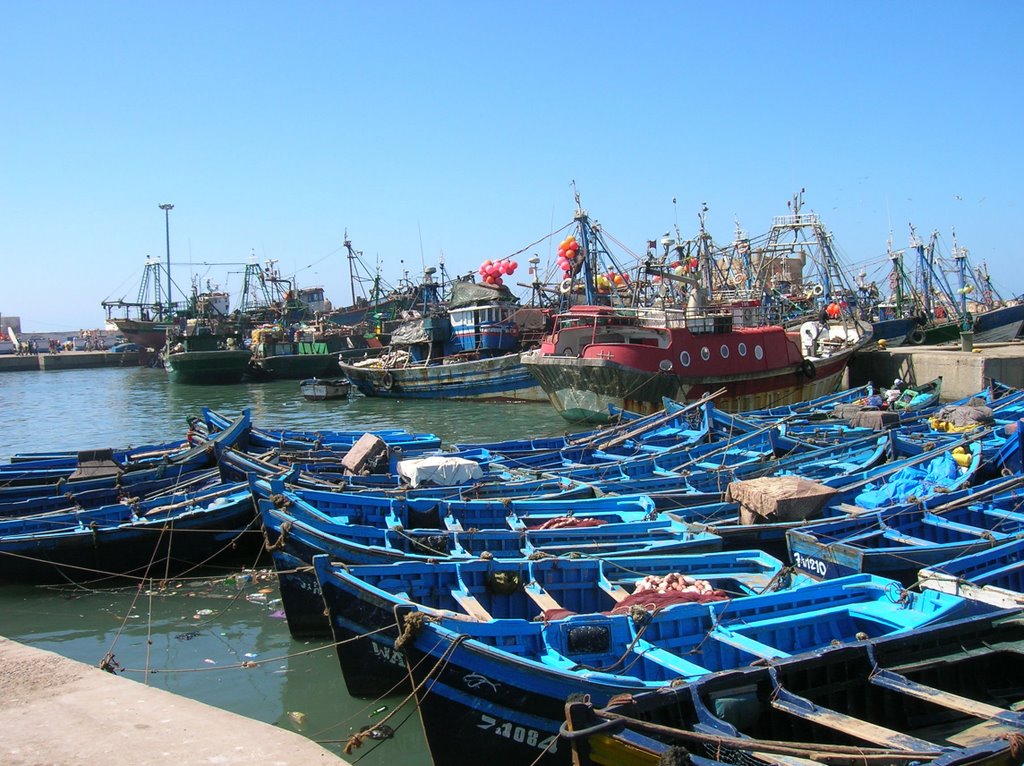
[{"x": 167, "y": 208}]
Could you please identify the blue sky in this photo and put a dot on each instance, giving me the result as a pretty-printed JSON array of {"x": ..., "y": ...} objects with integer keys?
[{"x": 457, "y": 128}]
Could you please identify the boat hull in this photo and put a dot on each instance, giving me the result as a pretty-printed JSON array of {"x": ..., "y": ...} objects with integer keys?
[
  {"x": 583, "y": 389},
  {"x": 502, "y": 378},
  {"x": 321, "y": 390},
  {"x": 295, "y": 366},
  {"x": 207, "y": 367},
  {"x": 999, "y": 325},
  {"x": 134, "y": 548},
  {"x": 147, "y": 333},
  {"x": 895, "y": 332}
]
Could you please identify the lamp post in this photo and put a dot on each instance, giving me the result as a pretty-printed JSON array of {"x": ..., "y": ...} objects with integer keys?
[{"x": 167, "y": 208}]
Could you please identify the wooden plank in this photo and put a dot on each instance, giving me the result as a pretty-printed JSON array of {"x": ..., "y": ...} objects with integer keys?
[
  {"x": 541, "y": 597},
  {"x": 473, "y": 607},
  {"x": 869, "y": 732},
  {"x": 889, "y": 680}
]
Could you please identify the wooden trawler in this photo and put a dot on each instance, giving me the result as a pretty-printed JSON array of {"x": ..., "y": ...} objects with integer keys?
[{"x": 600, "y": 354}]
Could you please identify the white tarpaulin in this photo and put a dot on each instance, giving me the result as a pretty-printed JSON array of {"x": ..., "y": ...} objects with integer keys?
[{"x": 445, "y": 471}]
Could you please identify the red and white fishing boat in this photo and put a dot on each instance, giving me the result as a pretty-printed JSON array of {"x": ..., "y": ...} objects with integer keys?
[{"x": 599, "y": 356}]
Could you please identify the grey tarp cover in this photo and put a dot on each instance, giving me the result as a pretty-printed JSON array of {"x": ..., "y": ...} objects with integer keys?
[
  {"x": 860, "y": 416},
  {"x": 468, "y": 293},
  {"x": 445, "y": 471},
  {"x": 95, "y": 464},
  {"x": 777, "y": 498},
  {"x": 975, "y": 412}
]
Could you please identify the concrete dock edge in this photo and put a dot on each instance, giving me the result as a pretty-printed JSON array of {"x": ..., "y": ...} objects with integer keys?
[{"x": 57, "y": 711}]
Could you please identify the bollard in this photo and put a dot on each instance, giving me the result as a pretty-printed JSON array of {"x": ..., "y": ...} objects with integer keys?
[{"x": 967, "y": 340}]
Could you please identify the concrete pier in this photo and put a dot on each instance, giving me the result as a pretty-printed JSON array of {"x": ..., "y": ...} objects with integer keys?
[
  {"x": 963, "y": 372},
  {"x": 73, "y": 360},
  {"x": 58, "y": 711}
]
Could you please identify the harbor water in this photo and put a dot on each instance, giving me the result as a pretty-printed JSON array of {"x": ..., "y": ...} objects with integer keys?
[{"x": 218, "y": 637}]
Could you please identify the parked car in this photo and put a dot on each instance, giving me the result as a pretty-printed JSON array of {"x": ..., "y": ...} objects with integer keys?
[{"x": 121, "y": 348}]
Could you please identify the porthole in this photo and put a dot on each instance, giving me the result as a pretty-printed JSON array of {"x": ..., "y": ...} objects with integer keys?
[
  {"x": 758, "y": 353},
  {"x": 742, "y": 348},
  {"x": 724, "y": 351},
  {"x": 705, "y": 354},
  {"x": 684, "y": 359}
]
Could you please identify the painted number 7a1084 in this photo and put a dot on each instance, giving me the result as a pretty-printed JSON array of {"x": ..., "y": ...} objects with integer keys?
[
  {"x": 810, "y": 564},
  {"x": 520, "y": 734}
]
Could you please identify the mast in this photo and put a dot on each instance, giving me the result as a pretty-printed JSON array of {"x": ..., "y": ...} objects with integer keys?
[
  {"x": 960, "y": 258},
  {"x": 924, "y": 268},
  {"x": 352, "y": 255},
  {"x": 896, "y": 257},
  {"x": 167, "y": 208}
]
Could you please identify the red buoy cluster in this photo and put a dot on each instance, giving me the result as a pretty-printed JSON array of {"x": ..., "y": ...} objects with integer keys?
[{"x": 492, "y": 271}]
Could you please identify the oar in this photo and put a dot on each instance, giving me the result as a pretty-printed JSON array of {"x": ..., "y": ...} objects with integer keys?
[
  {"x": 733, "y": 442},
  {"x": 661, "y": 420}
]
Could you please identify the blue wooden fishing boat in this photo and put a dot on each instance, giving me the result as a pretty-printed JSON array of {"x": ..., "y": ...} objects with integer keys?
[
  {"x": 150, "y": 538},
  {"x": 112, "y": 493},
  {"x": 336, "y": 441},
  {"x": 61, "y": 466},
  {"x": 994, "y": 575},
  {"x": 123, "y": 454},
  {"x": 897, "y": 543},
  {"x": 362, "y": 599},
  {"x": 97, "y": 473},
  {"x": 619, "y": 421},
  {"x": 299, "y": 472},
  {"x": 888, "y": 485},
  {"x": 439, "y": 513},
  {"x": 296, "y": 532},
  {"x": 945, "y": 695},
  {"x": 701, "y": 478},
  {"x": 476, "y": 679},
  {"x": 467, "y": 349},
  {"x": 672, "y": 431}
]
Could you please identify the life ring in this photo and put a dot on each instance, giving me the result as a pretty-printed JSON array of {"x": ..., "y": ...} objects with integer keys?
[
  {"x": 566, "y": 286},
  {"x": 818, "y": 290},
  {"x": 808, "y": 369},
  {"x": 387, "y": 381},
  {"x": 916, "y": 337}
]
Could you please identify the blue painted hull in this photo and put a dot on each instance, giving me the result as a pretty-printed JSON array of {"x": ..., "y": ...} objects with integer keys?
[
  {"x": 501, "y": 378},
  {"x": 899, "y": 543},
  {"x": 135, "y": 478},
  {"x": 311, "y": 532},
  {"x": 999, "y": 325},
  {"x": 995, "y": 576},
  {"x": 151, "y": 539},
  {"x": 498, "y": 689},
  {"x": 881, "y": 701},
  {"x": 361, "y": 603},
  {"x": 336, "y": 441},
  {"x": 893, "y": 331}
]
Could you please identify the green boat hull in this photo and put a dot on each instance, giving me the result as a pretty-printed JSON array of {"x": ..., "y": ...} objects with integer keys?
[{"x": 207, "y": 367}]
